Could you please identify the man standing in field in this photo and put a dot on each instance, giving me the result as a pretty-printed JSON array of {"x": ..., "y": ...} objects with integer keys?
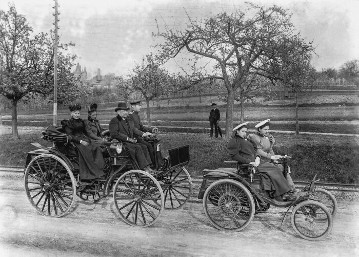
[{"x": 214, "y": 117}]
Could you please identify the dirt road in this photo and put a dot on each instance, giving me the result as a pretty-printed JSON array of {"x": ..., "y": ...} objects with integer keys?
[{"x": 95, "y": 230}]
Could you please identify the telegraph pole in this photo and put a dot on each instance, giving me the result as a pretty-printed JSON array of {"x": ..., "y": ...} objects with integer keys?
[{"x": 56, "y": 43}]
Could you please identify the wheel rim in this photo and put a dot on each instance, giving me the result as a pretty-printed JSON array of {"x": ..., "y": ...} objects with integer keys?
[
  {"x": 138, "y": 198},
  {"x": 177, "y": 188},
  {"x": 312, "y": 220},
  {"x": 228, "y": 205},
  {"x": 325, "y": 197},
  {"x": 50, "y": 185}
]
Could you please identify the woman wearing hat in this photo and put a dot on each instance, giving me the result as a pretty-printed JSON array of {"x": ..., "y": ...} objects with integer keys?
[
  {"x": 264, "y": 144},
  {"x": 91, "y": 162},
  {"x": 240, "y": 149},
  {"x": 244, "y": 151},
  {"x": 93, "y": 127}
]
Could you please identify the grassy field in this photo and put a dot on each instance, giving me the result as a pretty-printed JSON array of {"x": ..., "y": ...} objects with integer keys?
[
  {"x": 312, "y": 118},
  {"x": 333, "y": 158}
]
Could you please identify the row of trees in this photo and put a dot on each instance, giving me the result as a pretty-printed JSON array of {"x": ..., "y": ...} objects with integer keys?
[{"x": 249, "y": 51}]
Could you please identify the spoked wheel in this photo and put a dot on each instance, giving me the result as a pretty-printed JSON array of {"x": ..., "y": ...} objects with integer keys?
[
  {"x": 325, "y": 197},
  {"x": 311, "y": 220},
  {"x": 50, "y": 185},
  {"x": 228, "y": 205},
  {"x": 138, "y": 198},
  {"x": 177, "y": 187}
]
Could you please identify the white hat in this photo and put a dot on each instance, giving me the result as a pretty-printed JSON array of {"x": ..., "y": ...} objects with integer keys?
[
  {"x": 240, "y": 125},
  {"x": 260, "y": 124}
]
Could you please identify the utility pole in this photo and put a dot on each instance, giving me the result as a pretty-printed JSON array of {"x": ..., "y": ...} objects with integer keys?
[{"x": 56, "y": 43}]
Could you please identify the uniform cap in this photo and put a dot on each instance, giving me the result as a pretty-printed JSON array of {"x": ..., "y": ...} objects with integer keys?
[
  {"x": 240, "y": 125},
  {"x": 260, "y": 124},
  {"x": 135, "y": 102}
]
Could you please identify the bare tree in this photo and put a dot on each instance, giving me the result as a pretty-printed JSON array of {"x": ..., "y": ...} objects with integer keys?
[
  {"x": 239, "y": 45},
  {"x": 151, "y": 80}
]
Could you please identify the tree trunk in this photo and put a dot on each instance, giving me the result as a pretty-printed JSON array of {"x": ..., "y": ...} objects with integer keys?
[
  {"x": 242, "y": 110},
  {"x": 229, "y": 112},
  {"x": 296, "y": 114},
  {"x": 15, "y": 133},
  {"x": 148, "y": 112}
]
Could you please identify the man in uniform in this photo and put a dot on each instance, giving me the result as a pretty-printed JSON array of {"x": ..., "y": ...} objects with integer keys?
[
  {"x": 123, "y": 129},
  {"x": 214, "y": 117}
]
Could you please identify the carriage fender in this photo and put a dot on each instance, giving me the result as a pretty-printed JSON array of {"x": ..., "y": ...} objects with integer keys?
[{"x": 220, "y": 173}]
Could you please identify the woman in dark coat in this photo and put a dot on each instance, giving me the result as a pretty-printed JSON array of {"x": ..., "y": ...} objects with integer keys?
[
  {"x": 91, "y": 161},
  {"x": 244, "y": 151},
  {"x": 93, "y": 128}
]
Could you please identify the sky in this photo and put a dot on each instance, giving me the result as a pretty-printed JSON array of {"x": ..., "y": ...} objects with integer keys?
[{"x": 115, "y": 35}]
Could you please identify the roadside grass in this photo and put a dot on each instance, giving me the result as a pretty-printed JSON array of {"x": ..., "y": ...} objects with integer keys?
[
  {"x": 203, "y": 126},
  {"x": 334, "y": 159}
]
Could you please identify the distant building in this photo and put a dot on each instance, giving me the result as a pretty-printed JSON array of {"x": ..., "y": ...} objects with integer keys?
[{"x": 81, "y": 73}]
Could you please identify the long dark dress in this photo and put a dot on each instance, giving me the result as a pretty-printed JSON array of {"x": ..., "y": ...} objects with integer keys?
[
  {"x": 264, "y": 149},
  {"x": 244, "y": 151},
  {"x": 91, "y": 161}
]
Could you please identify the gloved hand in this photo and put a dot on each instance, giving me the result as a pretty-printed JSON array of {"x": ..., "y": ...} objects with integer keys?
[{"x": 256, "y": 162}]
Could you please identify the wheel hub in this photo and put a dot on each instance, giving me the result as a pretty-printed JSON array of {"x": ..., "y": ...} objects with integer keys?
[{"x": 229, "y": 204}]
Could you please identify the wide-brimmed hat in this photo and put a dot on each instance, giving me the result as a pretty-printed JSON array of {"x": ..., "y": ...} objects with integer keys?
[
  {"x": 134, "y": 102},
  {"x": 213, "y": 104},
  {"x": 122, "y": 106},
  {"x": 240, "y": 126},
  {"x": 262, "y": 123},
  {"x": 74, "y": 107}
]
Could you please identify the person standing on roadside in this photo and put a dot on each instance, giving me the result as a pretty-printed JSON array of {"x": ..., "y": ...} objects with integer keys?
[{"x": 214, "y": 117}]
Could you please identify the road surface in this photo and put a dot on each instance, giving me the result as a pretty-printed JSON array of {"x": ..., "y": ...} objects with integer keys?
[{"x": 96, "y": 230}]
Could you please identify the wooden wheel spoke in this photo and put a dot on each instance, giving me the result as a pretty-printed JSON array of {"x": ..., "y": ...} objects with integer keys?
[
  {"x": 129, "y": 212},
  {"x": 136, "y": 212},
  {"x": 142, "y": 214},
  {"x": 53, "y": 201},
  {"x": 43, "y": 206},
  {"x": 32, "y": 197},
  {"x": 174, "y": 189},
  {"x": 34, "y": 188},
  {"x": 62, "y": 199},
  {"x": 178, "y": 181},
  {"x": 158, "y": 207},
  {"x": 58, "y": 203},
  {"x": 178, "y": 199},
  {"x": 127, "y": 204},
  {"x": 43, "y": 193},
  {"x": 153, "y": 216}
]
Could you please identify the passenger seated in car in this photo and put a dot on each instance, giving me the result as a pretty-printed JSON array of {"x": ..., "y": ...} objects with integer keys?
[
  {"x": 264, "y": 143},
  {"x": 122, "y": 129},
  {"x": 91, "y": 161},
  {"x": 93, "y": 127},
  {"x": 244, "y": 152},
  {"x": 135, "y": 118}
]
